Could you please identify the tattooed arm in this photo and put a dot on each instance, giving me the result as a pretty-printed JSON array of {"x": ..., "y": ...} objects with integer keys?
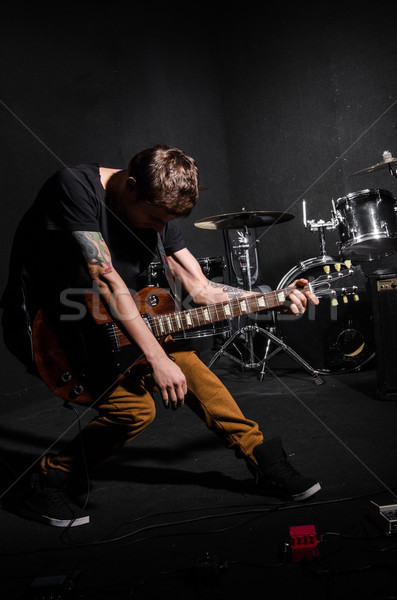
[
  {"x": 169, "y": 378},
  {"x": 108, "y": 282}
]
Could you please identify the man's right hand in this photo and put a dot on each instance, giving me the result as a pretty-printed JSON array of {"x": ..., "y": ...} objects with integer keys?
[{"x": 170, "y": 381}]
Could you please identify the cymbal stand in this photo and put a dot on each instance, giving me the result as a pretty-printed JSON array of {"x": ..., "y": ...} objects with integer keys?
[{"x": 250, "y": 330}]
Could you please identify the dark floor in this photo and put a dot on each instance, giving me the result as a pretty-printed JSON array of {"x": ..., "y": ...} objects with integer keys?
[{"x": 176, "y": 514}]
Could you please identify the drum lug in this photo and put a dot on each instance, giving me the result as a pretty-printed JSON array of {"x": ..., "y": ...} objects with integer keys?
[
  {"x": 338, "y": 218},
  {"x": 385, "y": 228}
]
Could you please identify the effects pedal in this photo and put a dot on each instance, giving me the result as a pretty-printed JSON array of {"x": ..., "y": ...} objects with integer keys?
[{"x": 303, "y": 543}]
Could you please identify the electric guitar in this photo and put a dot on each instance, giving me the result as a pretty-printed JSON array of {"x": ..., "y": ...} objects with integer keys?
[{"x": 64, "y": 368}]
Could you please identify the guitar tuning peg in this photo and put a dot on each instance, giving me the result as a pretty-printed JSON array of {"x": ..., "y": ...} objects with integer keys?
[
  {"x": 334, "y": 302},
  {"x": 345, "y": 299},
  {"x": 326, "y": 269},
  {"x": 337, "y": 266},
  {"x": 356, "y": 297},
  {"x": 348, "y": 263}
]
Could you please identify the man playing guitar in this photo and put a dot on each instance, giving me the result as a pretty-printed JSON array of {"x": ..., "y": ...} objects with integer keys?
[{"x": 98, "y": 228}]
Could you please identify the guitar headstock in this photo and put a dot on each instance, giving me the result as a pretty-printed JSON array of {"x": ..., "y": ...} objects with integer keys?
[{"x": 331, "y": 284}]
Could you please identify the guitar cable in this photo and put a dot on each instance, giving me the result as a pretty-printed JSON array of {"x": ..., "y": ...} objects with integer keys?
[{"x": 83, "y": 453}]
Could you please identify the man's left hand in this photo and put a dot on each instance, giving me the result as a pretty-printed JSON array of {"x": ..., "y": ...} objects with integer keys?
[{"x": 299, "y": 297}]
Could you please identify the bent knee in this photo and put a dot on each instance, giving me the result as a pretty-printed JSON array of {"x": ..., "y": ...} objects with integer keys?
[
  {"x": 144, "y": 417},
  {"x": 130, "y": 417}
]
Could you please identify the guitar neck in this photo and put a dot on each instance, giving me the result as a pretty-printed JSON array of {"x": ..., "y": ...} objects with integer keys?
[
  {"x": 160, "y": 316},
  {"x": 203, "y": 315}
]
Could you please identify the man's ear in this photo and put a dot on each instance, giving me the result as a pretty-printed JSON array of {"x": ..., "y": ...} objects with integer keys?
[{"x": 131, "y": 184}]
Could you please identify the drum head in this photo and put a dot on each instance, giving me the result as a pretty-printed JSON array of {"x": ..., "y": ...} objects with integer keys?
[{"x": 332, "y": 339}]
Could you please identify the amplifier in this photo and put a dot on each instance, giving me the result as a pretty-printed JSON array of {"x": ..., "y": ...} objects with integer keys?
[{"x": 383, "y": 288}]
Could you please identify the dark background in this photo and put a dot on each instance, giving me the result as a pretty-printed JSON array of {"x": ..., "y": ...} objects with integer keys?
[{"x": 275, "y": 106}]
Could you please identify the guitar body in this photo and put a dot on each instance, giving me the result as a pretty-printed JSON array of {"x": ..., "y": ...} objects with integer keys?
[
  {"x": 56, "y": 365},
  {"x": 70, "y": 356},
  {"x": 150, "y": 300}
]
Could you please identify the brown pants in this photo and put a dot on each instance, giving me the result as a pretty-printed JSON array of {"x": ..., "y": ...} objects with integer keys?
[{"x": 130, "y": 408}]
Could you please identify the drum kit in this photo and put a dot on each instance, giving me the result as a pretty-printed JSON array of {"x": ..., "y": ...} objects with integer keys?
[{"x": 334, "y": 339}]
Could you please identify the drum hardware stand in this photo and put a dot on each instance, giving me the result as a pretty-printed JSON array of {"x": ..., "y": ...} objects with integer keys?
[
  {"x": 387, "y": 156},
  {"x": 251, "y": 329},
  {"x": 321, "y": 226}
]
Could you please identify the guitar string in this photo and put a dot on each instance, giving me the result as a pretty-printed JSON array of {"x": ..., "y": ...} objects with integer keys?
[
  {"x": 234, "y": 305},
  {"x": 169, "y": 322}
]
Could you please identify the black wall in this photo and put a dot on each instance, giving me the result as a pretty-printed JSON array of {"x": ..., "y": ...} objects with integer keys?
[{"x": 274, "y": 107}]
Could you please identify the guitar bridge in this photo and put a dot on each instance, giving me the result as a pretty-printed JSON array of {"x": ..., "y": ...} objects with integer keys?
[{"x": 109, "y": 334}]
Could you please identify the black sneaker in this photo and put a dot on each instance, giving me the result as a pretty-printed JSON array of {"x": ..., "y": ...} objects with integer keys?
[
  {"x": 50, "y": 505},
  {"x": 277, "y": 473}
]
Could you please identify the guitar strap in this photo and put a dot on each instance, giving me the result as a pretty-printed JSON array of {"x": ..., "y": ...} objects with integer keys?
[
  {"x": 162, "y": 255},
  {"x": 174, "y": 287}
]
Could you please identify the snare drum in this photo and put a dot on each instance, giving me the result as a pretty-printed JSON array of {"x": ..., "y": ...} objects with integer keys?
[
  {"x": 330, "y": 338},
  {"x": 367, "y": 224},
  {"x": 212, "y": 267}
]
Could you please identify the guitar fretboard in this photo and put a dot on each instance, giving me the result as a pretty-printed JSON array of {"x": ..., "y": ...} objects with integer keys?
[{"x": 196, "y": 317}]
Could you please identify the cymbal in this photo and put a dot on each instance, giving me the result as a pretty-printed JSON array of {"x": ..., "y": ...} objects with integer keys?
[
  {"x": 381, "y": 165},
  {"x": 250, "y": 219}
]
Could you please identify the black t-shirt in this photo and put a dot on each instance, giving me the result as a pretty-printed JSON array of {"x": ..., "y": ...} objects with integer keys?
[
  {"x": 46, "y": 259},
  {"x": 74, "y": 200}
]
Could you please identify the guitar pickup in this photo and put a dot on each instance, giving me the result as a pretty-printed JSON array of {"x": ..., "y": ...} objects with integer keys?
[{"x": 108, "y": 335}]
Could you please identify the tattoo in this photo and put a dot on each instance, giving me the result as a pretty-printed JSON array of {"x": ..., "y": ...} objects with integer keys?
[
  {"x": 231, "y": 291},
  {"x": 95, "y": 250}
]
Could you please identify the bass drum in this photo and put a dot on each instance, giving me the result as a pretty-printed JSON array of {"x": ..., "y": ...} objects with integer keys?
[{"x": 332, "y": 339}]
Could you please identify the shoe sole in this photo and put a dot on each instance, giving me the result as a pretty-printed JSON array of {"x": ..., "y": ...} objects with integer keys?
[
  {"x": 307, "y": 493},
  {"x": 66, "y": 522},
  {"x": 34, "y": 516}
]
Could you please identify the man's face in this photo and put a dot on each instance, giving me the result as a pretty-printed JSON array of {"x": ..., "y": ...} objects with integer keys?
[{"x": 146, "y": 216}]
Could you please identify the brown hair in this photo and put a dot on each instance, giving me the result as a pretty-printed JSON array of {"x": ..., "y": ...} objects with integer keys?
[{"x": 166, "y": 177}]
